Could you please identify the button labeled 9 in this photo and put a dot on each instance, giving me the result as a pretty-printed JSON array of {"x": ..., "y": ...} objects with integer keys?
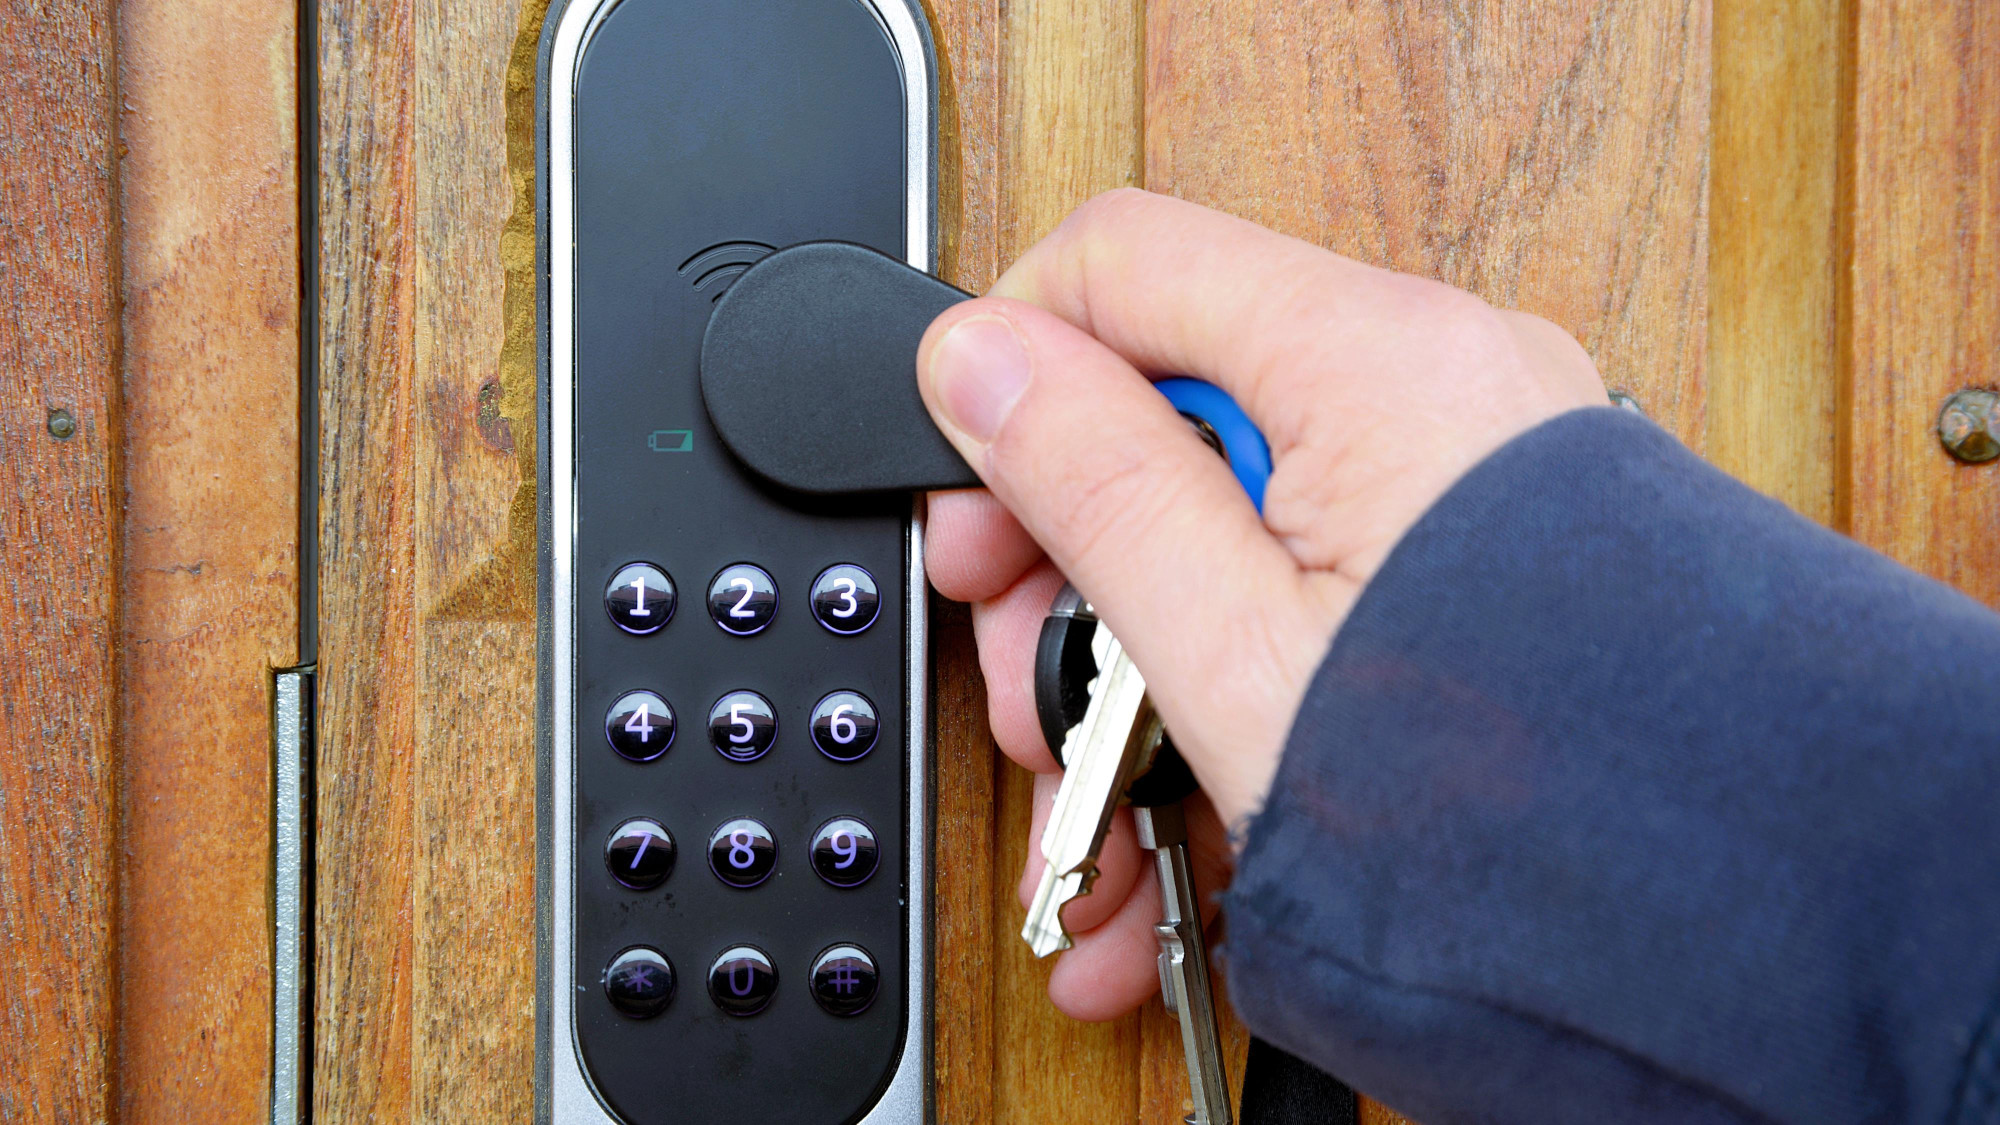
[{"x": 844, "y": 852}]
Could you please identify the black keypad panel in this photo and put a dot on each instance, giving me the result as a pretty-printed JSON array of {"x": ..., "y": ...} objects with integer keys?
[
  {"x": 640, "y": 726},
  {"x": 742, "y": 852},
  {"x": 845, "y": 599},
  {"x": 743, "y": 980},
  {"x": 844, "y": 852},
  {"x": 640, "y": 598},
  {"x": 640, "y": 855},
  {"x": 845, "y": 726},
  {"x": 704, "y": 135},
  {"x": 742, "y": 726},
  {"x": 742, "y": 599},
  {"x": 844, "y": 980},
  {"x": 639, "y": 983}
]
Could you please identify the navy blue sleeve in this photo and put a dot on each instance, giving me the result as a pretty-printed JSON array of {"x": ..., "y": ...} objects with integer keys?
[{"x": 1626, "y": 795}]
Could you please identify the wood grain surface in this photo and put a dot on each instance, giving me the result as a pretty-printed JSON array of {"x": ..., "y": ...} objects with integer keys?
[
  {"x": 59, "y": 560},
  {"x": 426, "y": 856},
  {"x": 1925, "y": 317},
  {"x": 367, "y": 832},
  {"x": 1070, "y": 116},
  {"x": 211, "y": 283},
  {"x": 971, "y": 125},
  {"x": 1774, "y": 373},
  {"x": 1549, "y": 155}
]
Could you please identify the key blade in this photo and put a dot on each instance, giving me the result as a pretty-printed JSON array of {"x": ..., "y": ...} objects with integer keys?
[
  {"x": 1042, "y": 937},
  {"x": 1184, "y": 977},
  {"x": 1100, "y": 753}
]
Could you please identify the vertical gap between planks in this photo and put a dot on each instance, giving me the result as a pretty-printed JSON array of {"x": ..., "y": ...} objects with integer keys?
[{"x": 1842, "y": 266}]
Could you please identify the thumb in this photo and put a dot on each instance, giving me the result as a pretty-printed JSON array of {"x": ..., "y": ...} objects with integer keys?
[{"x": 1132, "y": 506}]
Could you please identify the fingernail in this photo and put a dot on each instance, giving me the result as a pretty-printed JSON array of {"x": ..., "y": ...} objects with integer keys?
[{"x": 978, "y": 372}]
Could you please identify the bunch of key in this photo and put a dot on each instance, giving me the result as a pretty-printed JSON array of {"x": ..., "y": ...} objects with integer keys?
[{"x": 1092, "y": 705}]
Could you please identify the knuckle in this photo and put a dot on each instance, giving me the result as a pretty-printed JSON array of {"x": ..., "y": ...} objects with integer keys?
[{"x": 1110, "y": 209}]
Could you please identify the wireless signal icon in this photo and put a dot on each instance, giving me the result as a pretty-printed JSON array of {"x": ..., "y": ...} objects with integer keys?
[{"x": 714, "y": 268}]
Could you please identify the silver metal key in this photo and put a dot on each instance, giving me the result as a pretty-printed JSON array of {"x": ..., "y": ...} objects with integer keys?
[
  {"x": 1184, "y": 980},
  {"x": 1117, "y": 741},
  {"x": 1118, "y": 732}
]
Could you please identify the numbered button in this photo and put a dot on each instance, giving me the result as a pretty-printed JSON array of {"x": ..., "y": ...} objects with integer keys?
[
  {"x": 640, "y": 854},
  {"x": 844, "y": 598},
  {"x": 742, "y": 852},
  {"x": 844, "y": 980},
  {"x": 639, "y": 982},
  {"x": 844, "y": 852},
  {"x": 844, "y": 726},
  {"x": 742, "y": 599},
  {"x": 640, "y": 726},
  {"x": 640, "y": 598},
  {"x": 742, "y": 726},
  {"x": 742, "y": 980}
]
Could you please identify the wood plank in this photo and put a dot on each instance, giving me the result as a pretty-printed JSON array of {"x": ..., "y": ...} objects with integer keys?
[
  {"x": 59, "y": 548},
  {"x": 368, "y": 682},
  {"x": 209, "y": 185},
  {"x": 473, "y": 882},
  {"x": 1925, "y": 317},
  {"x": 1071, "y": 113},
  {"x": 1550, "y": 157},
  {"x": 968, "y": 35},
  {"x": 1774, "y": 356}
]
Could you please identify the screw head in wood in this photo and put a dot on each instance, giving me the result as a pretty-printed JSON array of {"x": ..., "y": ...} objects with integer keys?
[
  {"x": 62, "y": 425},
  {"x": 1969, "y": 426}
]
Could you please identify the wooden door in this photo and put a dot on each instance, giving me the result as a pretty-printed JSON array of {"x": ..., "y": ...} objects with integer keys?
[{"x": 1776, "y": 224}]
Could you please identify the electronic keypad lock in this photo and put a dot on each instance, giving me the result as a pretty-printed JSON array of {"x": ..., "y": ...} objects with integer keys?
[{"x": 733, "y": 811}]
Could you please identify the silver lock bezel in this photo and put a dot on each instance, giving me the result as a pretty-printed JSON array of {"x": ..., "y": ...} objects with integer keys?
[{"x": 565, "y": 1094}]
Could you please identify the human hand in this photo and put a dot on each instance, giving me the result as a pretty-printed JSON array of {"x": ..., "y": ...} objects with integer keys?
[{"x": 1376, "y": 391}]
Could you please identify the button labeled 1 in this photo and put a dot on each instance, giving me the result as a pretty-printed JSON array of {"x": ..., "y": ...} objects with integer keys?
[{"x": 640, "y": 598}]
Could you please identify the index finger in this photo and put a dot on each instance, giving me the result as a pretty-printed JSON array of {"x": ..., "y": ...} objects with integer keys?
[{"x": 1175, "y": 287}]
